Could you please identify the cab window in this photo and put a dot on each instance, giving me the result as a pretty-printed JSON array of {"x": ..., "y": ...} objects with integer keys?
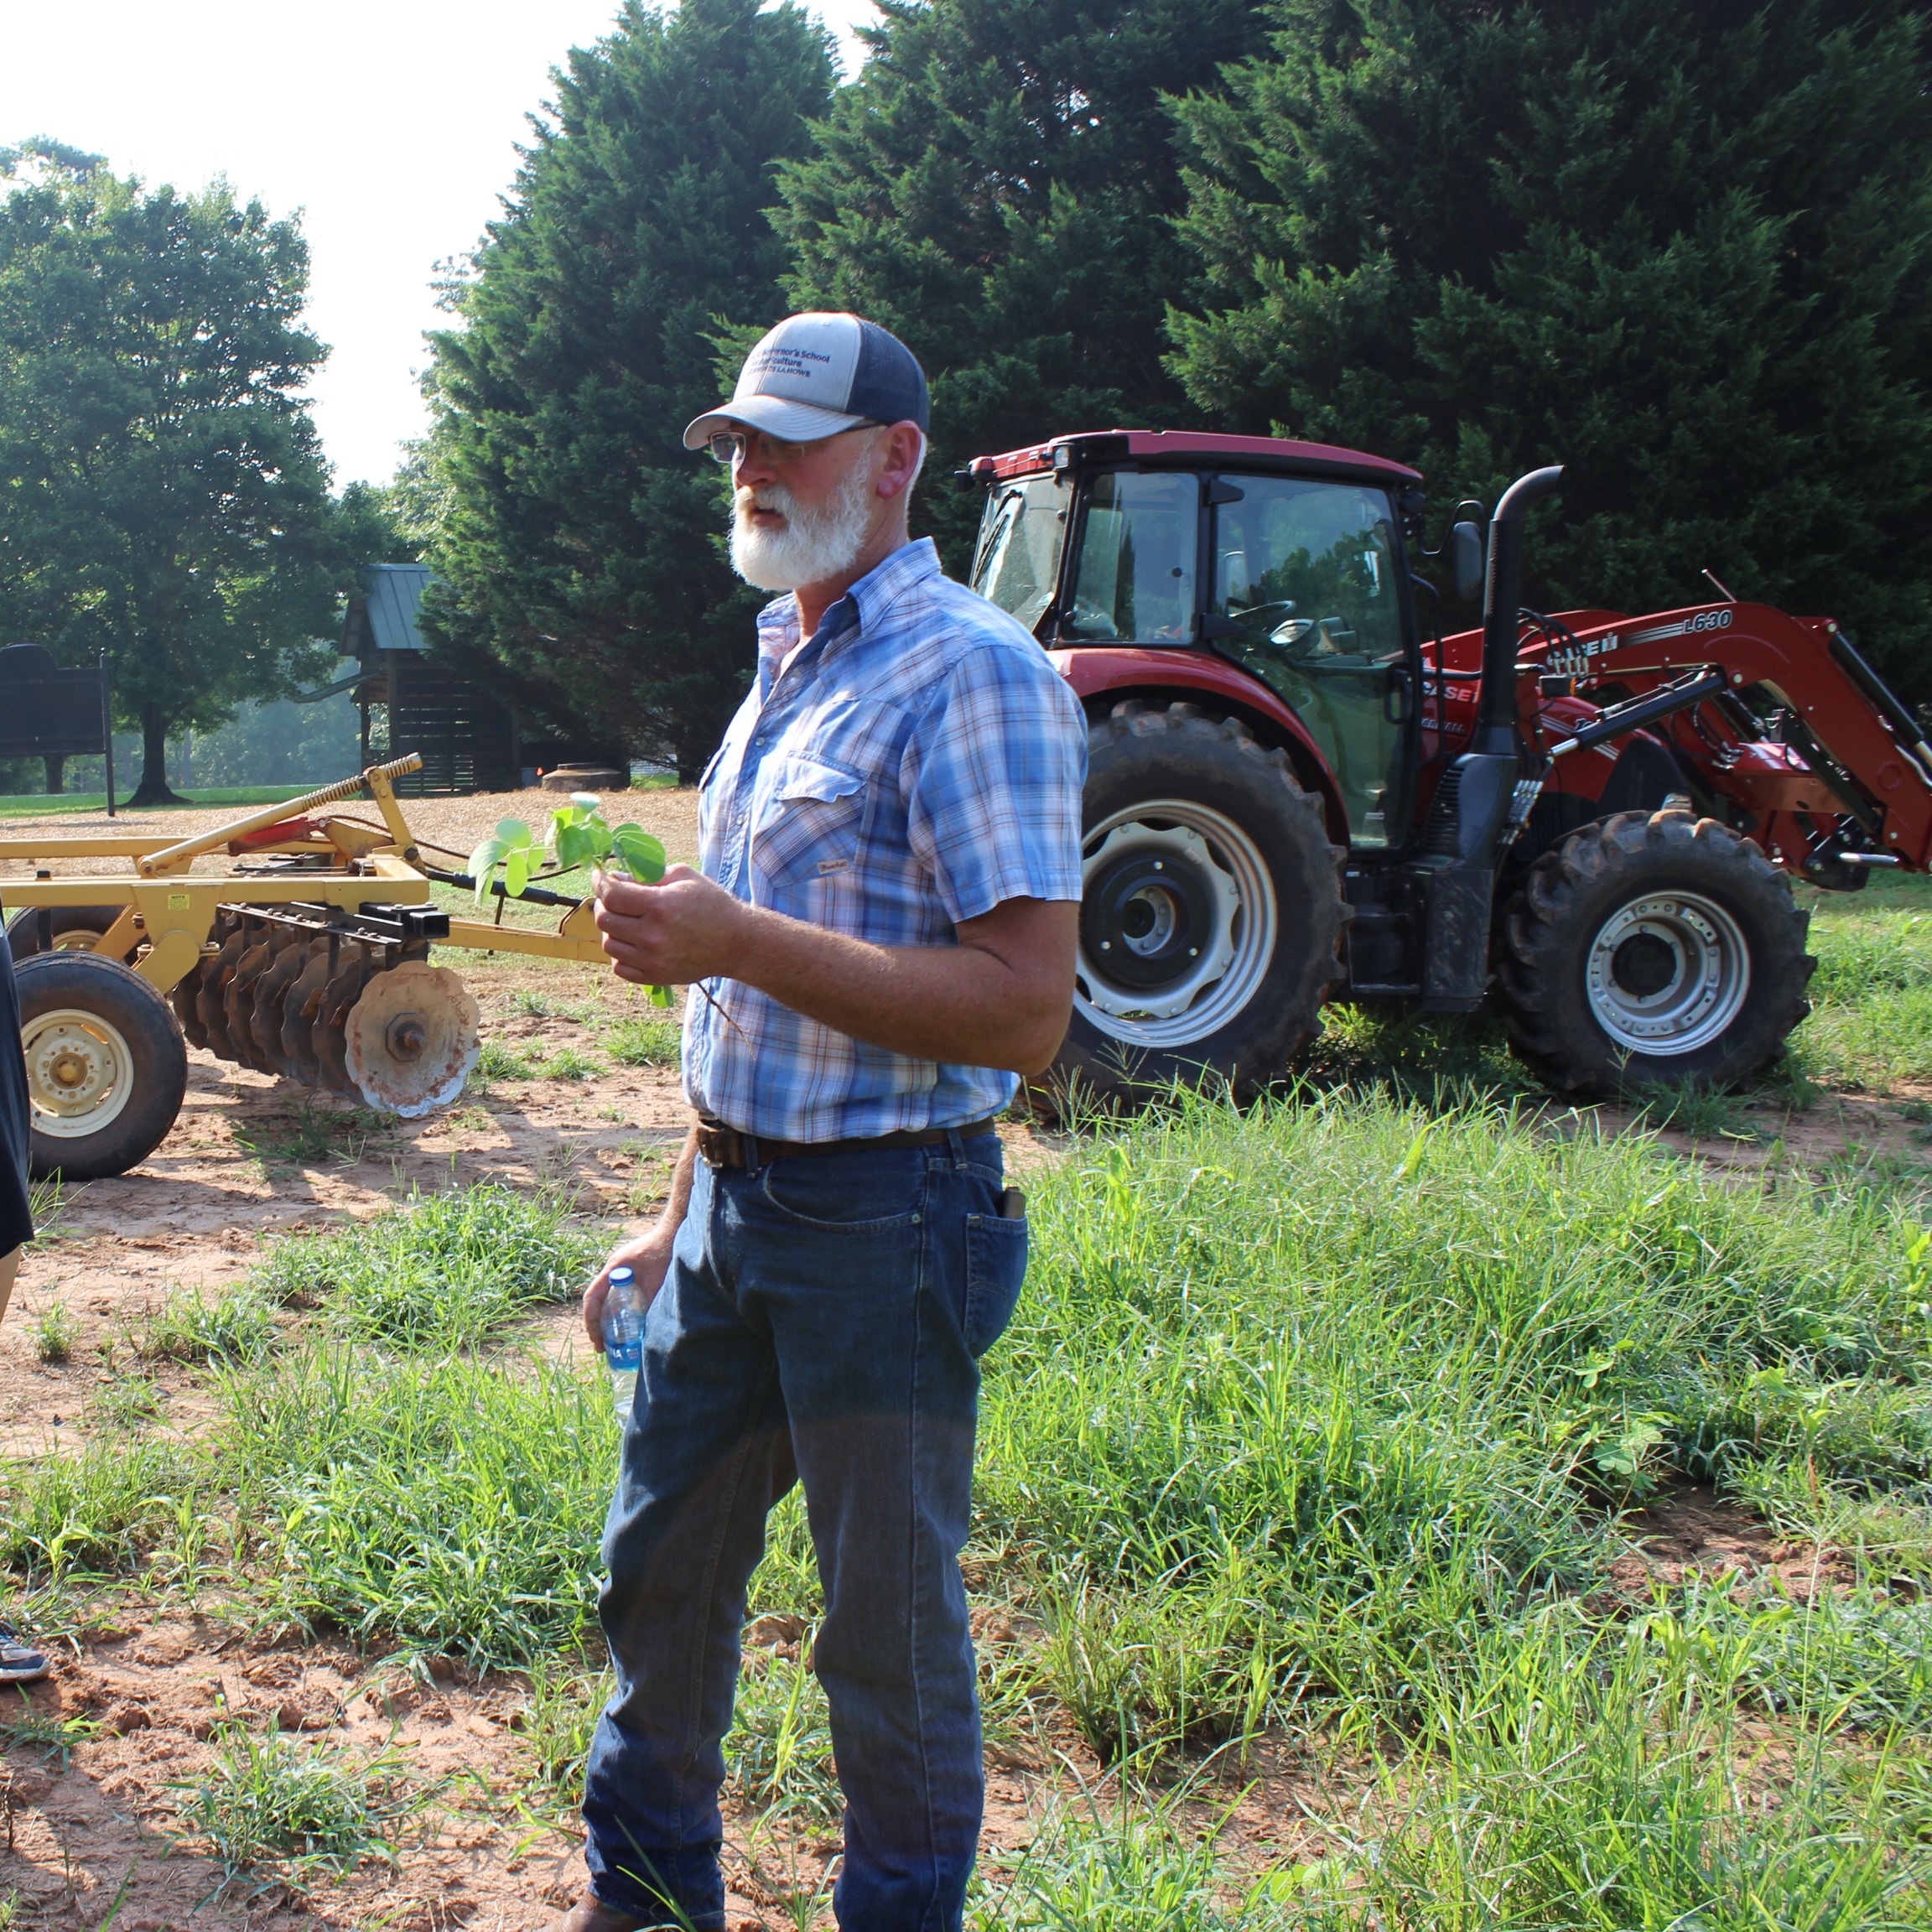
[
  {"x": 1306, "y": 584},
  {"x": 1018, "y": 558},
  {"x": 1137, "y": 559}
]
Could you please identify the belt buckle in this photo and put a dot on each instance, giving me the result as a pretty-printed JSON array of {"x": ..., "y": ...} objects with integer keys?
[{"x": 720, "y": 1147}]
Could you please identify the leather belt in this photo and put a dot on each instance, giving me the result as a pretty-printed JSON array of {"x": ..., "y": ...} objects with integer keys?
[{"x": 723, "y": 1146}]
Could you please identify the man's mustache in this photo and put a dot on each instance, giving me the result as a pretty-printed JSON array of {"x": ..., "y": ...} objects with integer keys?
[{"x": 778, "y": 500}]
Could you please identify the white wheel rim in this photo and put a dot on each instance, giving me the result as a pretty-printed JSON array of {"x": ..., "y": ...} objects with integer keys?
[
  {"x": 80, "y": 1073},
  {"x": 1667, "y": 973},
  {"x": 1234, "y": 926}
]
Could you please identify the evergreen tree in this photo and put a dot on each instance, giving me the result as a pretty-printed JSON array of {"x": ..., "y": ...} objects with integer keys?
[
  {"x": 995, "y": 188},
  {"x": 581, "y": 548},
  {"x": 1684, "y": 249},
  {"x": 165, "y": 497}
]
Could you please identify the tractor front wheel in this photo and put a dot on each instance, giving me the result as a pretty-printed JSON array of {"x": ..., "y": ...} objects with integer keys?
[
  {"x": 1653, "y": 947},
  {"x": 1212, "y": 917},
  {"x": 106, "y": 1066}
]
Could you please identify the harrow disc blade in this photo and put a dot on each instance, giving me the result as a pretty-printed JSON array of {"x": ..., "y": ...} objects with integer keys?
[
  {"x": 271, "y": 990},
  {"x": 210, "y": 1006},
  {"x": 299, "y": 1010},
  {"x": 185, "y": 1001},
  {"x": 329, "y": 1035},
  {"x": 238, "y": 998},
  {"x": 413, "y": 1039}
]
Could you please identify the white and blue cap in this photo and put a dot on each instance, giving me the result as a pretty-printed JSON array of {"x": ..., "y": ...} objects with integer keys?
[{"x": 817, "y": 374}]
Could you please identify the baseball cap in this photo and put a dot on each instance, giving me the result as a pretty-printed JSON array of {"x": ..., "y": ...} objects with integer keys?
[{"x": 816, "y": 374}]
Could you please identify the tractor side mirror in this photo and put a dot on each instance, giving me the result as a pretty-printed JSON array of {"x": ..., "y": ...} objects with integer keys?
[{"x": 1469, "y": 553}]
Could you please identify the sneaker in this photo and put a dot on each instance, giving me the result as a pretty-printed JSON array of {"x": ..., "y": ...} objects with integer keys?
[{"x": 20, "y": 1663}]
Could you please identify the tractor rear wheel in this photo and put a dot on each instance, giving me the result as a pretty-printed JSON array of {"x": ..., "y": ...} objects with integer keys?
[
  {"x": 1653, "y": 947},
  {"x": 106, "y": 1066},
  {"x": 1211, "y": 924}
]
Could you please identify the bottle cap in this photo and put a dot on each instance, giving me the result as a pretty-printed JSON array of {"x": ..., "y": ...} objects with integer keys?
[{"x": 621, "y": 1274}]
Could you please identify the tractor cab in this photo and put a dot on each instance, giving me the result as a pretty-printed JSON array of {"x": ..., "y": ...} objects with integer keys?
[{"x": 1283, "y": 560}]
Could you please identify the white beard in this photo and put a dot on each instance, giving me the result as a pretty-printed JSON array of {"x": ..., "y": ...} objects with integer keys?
[{"x": 815, "y": 543}]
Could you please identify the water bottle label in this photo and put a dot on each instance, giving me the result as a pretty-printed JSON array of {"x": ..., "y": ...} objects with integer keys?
[{"x": 624, "y": 1354}]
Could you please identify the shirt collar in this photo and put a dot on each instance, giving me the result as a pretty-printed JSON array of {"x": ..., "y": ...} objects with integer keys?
[{"x": 860, "y": 608}]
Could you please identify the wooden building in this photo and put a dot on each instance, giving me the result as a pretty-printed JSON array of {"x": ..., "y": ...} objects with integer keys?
[{"x": 469, "y": 739}]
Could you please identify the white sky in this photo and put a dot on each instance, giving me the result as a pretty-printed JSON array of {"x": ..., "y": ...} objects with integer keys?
[{"x": 391, "y": 124}]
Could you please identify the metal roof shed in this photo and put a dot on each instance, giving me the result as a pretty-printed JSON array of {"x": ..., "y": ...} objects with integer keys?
[{"x": 468, "y": 738}]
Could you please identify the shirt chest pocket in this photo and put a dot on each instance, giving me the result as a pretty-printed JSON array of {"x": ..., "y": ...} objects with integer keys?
[{"x": 809, "y": 827}]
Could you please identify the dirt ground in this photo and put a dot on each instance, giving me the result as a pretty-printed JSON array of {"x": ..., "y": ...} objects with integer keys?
[{"x": 93, "y": 1833}]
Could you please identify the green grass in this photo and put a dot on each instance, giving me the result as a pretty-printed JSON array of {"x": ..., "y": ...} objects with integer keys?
[
  {"x": 443, "y": 1271},
  {"x": 235, "y": 1324},
  {"x": 451, "y": 1503},
  {"x": 52, "y": 805},
  {"x": 640, "y": 1042},
  {"x": 1321, "y": 1420},
  {"x": 53, "y": 1332},
  {"x": 269, "y": 1797},
  {"x": 1870, "y": 1024},
  {"x": 307, "y": 1133},
  {"x": 497, "y": 1061}
]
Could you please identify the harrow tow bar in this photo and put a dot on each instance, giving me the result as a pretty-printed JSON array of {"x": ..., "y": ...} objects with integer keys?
[{"x": 376, "y": 779}]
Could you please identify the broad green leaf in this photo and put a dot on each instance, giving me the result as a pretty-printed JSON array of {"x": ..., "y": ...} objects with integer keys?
[
  {"x": 588, "y": 800},
  {"x": 516, "y": 873},
  {"x": 483, "y": 861},
  {"x": 571, "y": 847},
  {"x": 640, "y": 853},
  {"x": 515, "y": 835},
  {"x": 663, "y": 996}
]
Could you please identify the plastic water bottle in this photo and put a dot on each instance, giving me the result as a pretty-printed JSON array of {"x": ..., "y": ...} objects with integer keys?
[{"x": 623, "y": 1340}]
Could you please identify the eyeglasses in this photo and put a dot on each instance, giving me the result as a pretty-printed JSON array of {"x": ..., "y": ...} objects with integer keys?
[{"x": 728, "y": 445}]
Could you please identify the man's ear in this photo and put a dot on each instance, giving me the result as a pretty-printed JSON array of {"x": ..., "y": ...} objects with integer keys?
[{"x": 905, "y": 455}]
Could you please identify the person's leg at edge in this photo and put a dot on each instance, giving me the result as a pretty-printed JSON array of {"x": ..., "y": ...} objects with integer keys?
[
  {"x": 704, "y": 1459},
  {"x": 882, "y": 1388},
  {"x": 20, "y": 1663}
]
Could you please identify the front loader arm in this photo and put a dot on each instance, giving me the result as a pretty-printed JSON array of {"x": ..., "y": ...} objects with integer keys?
[{"x": 1850, "y": 765}]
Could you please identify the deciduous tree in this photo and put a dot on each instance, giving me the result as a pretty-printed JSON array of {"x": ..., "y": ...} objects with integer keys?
[{"x": 161, "y": 495}]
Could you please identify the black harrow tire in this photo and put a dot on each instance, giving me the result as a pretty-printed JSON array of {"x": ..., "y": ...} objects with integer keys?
[
  {"x": 102, "y": 1028},
  {"x": 72, "y": 928},
  {"x": 1702, "y": 901},
  {"x": 1214, "y": 767}
]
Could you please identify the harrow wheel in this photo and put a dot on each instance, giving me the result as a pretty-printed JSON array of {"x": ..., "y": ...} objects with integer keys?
[
  {"x": 106, "y": 1066},
  {"x": 58, "y": 928}
]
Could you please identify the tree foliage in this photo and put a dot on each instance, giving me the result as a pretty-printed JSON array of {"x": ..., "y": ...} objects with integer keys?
[
  {"x": 163, "y": 496},
  {"x": 580, "y": 546},
  {"x": 995, "y": 188},
  {"x": 1685, "y": 249}
]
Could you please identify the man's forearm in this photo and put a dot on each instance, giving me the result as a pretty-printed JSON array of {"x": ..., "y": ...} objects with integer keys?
[{"x": 962, "y": 1004}]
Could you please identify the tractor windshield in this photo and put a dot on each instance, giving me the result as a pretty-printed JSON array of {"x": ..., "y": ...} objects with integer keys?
[{"x": 1019, "y": 553}]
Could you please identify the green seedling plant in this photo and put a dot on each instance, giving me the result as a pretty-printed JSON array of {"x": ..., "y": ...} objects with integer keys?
[{"x": 579, "y": 835}]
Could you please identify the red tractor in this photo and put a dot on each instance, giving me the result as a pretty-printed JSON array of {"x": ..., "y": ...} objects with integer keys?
[{"x": 1589, "y": 820}]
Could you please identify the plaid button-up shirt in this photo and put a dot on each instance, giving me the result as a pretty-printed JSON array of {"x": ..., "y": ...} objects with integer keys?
[{"x": 919, "y": 762}]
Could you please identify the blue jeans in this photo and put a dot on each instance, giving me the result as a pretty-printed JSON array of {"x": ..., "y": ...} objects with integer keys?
[{"x": 822, "y": 1322}]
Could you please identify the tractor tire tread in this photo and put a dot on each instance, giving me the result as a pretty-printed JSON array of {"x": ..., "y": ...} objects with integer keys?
[{"x": 1540, "y": 933}]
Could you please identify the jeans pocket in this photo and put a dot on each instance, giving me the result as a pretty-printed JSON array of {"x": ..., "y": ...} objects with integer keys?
[{"x": 995, "y": 1267}]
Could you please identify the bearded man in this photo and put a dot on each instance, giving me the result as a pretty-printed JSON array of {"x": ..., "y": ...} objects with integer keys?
[{"x": 883, "y": 935}]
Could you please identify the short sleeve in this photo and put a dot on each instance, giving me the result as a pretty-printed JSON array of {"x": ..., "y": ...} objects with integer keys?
[{"x": 993, "y": 774}]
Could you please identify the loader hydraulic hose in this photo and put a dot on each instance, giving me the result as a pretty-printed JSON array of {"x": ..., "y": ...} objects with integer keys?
[{"x": 1503, "y": 598}]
